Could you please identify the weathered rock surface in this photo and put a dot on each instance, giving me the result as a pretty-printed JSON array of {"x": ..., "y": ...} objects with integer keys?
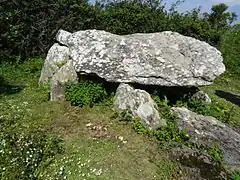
[
  {"x": 140, "y": 103},
  {"x": 57, "y": 56},
  {"x": 206, "y": 130},
  {"x": 165, "y": 58},
  {"x": 197, "y": 164},
  {"x": 201, "y": 96},
  {"x": 66, "y": 74}
]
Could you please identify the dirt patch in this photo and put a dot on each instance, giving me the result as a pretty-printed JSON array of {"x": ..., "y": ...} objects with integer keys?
[{"x": 98, "y": 131}]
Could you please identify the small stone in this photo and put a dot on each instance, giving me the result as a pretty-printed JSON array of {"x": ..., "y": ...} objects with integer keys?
[
  {"x": 120, "y": 138},
  {"x": 202, "y": 96},
  {"x": 89, "y": 125}
]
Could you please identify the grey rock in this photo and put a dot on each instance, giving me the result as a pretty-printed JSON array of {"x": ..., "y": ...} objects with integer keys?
[
  {"x": 66, "y": 74},
  {"x": 57, "y": 56},
  {"x": 197, "y": 164},
  {"x": 164, "y": 58},
  {"x": 201, "y": 96},
  {"x": 141, "y": 105},
  {"x": 207, "y": 130}
]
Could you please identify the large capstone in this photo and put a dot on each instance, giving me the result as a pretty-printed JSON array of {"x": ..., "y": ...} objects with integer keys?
[
  {"x": 140, "y": 104},
  {"x": 164, "y": 58}
]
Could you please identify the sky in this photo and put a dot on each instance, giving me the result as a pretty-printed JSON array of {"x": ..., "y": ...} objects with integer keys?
[{"x": 234, "y": 5}]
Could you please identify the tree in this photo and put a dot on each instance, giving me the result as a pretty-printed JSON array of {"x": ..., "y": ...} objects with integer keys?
[
  {"x": 219, "y": 17},
  {"x": 230, "y": 48}
]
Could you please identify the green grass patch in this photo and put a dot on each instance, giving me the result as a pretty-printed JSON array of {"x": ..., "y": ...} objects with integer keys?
[
  {"x": 65, "y": 147},
  {"x": 74, "y": 142}
]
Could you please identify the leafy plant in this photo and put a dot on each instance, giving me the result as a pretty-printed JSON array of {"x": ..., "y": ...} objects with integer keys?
[
  {"x": 218, "y": 109},
  {"x": 164, "y": 108},
  {"x": 139, "y": 127},
  {"x": 199, "y": 106},
  {"x": 126, "y": 115},
  {"x": 171, "y": 133},
  {"x": 236, "y": 176},
  {"x": 216, "y": 153},
  {"x": 230, "y": 50},
  {"x": 85, "y": 93},
  {"x": 46, "y": 17}
]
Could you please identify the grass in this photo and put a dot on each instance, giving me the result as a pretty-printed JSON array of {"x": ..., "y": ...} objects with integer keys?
[
  {"x": 95, "y": 146},
  {"x": 226, "y": 93},
  {"x": 107, "y": 153}
]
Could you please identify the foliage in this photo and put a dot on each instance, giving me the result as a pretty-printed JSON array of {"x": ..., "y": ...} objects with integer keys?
[
  {"x": 165, "y": 134},
  {"x": 129, "y": 17},
  {"x": 85, "y": 93},
  {"x": 29, "y": 70},
  {"x": 230, "y": 48},
  {"x": 236, "y": 176},
  {"x": 219, "y": 110},
  {"x": 23, "y": 150},
  {"x": 29, "y": 27},
  {"x": 217, "y": 154},
  {"x": 139, "y": 127},
  {"x": 125, "y": 115},
  {"x": 171, "y": 133},
  {"x": 164, "y": 108},
  {"x": 219, "y": 17}
]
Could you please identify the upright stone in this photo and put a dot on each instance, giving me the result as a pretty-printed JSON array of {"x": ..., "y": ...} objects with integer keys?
[
  {"x": 65, "y": 75},
  {"x": 57, "y": 56},
  {"x": 140, "y": 103}
]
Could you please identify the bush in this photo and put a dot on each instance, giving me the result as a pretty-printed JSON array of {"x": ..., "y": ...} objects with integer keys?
[
  {"x": 28, "y": 28},
  {"x": 25, "y": 150},
  {"x": 128, "y": 17},
  {"x": 236, "y": 176},
  {"x": 164, "y": 108},
  {"x": 139, "y": 127},
  {"x": 217, "y": 154},
  {"x": 231, "y": 52},
  {"x": 85, "y": 93},
  {"x": 220, "y": 111}
]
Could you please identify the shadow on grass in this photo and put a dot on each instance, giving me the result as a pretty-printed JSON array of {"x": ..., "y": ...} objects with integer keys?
[
  {"x": 6, "y": 88},
  {"x": 235, "y": 99}
]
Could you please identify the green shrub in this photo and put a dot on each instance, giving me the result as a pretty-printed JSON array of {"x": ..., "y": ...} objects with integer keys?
[
  {"x": 164, "y": 108},
  {"x": 168, "y": 133},
  {"x": 199, "y": 106},
  {"x": 216, "y": 153},
  {"x": 230, "y": 50},
  {"x": 126, "y": 116},
  {"x": 28, "y": 28},
  {"x": 139, "y": 127},
  {"x": 25, "y": 150},
  {"x": 235, "y": 176},
  {"x": 171, "y": 133},
  {"x": 220, "y": 111},
  {"x": 85, "y": 93}
]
